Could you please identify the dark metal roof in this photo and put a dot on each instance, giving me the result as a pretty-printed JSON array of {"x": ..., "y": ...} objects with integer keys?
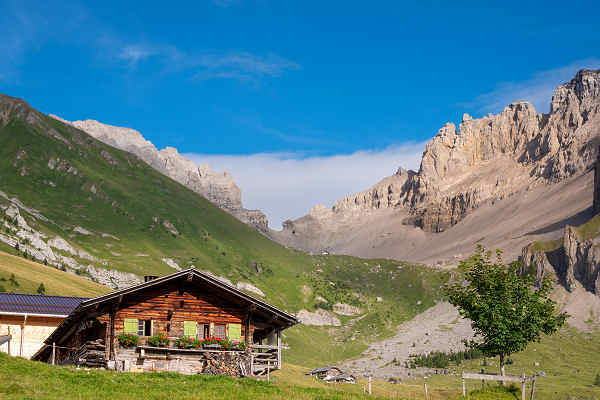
[{"x": 16, "y": 303}]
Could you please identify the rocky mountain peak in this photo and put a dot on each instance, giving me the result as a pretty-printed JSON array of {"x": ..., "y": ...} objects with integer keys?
[{"x": 219, "y": 188}]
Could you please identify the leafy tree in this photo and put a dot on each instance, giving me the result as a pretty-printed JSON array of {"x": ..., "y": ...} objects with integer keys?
[
  {"x": 506, "y": 310},
  {"x": 41, "y": 289}
]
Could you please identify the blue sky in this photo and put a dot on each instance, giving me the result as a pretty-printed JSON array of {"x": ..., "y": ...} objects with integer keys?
[{"x": 240, "y": 81}]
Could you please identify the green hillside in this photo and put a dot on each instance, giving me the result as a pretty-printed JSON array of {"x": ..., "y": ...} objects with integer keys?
[
  {"x": 28, "y": 276},
  {"x": 125, "y": 208}
]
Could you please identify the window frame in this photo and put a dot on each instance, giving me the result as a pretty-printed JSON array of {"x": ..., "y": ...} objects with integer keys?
[
  {"x": 143, "y": 327},
  {"x": 218, "y": 326}
]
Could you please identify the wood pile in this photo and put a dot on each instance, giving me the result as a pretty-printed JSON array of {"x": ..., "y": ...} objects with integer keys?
[
  {"x": 227, "y": 363},
  {"x": 91, "y": 354}
]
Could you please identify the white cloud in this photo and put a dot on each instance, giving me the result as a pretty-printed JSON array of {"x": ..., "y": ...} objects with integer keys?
[
  {"x": 286, "y": 186},
  {"x": 537, "y": 90}
]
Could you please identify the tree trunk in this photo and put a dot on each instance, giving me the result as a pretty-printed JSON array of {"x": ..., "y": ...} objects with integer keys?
[{"x": 502, "y": 367}]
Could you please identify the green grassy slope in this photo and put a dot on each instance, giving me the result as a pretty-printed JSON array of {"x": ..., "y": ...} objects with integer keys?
[
  {"x": 29, "y": 275},
  {"x": 130, "y": 200}
]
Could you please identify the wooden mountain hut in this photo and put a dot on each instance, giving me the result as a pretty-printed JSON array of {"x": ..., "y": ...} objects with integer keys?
[{"x": 189, "y": 322}]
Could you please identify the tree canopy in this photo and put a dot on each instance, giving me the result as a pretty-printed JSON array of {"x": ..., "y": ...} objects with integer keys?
[{"x": 506, "y": 309}]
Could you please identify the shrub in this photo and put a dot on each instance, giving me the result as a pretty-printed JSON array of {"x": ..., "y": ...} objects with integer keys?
[
  {"x": 41, "y": 289},
  {"x": 438, "y": 359},
  {"x": 128, "y": 339},
  {"x": 324, "y": 305},
  {"x": 597, "y": 380},
  {"x": 13, "y": 280},
  {"x": 160, "y": 340}
]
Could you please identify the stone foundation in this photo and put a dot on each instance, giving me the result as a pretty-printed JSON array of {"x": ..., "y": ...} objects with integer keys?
[{"x": 189, "y": 362}]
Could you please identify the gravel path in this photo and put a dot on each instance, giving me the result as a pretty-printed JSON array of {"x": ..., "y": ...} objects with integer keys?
[{"x": 440, "y": 328}]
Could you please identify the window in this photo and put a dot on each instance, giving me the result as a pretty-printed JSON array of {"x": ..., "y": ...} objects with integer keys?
[
  {"x": 144, "y": 328},
  {"x": 205, "y": 331},
  {"x": 220, "y": 331}
]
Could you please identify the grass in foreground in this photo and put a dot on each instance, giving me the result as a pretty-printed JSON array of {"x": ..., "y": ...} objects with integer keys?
[{"x": 23, "y": 379}]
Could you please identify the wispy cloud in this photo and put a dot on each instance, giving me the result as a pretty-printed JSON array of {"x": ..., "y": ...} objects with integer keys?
[
  {"x": 537, "y": 90},
  {"x": 286, "y": 186},
  {"x": 242, "y": 66},
  {"x": 132, "y": 54},
  {"x": 294, "y": 134}
]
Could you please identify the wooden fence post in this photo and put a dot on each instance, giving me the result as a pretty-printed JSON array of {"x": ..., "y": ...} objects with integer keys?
[
  {"x": 464, "y": 387},
  {"x": 369, "y": 384},
  {"x": 53, "y": 353},
  {"x": 532, "y": 388},
  {"x": 523, "y": 386},
  {"x": 426, "y": 394}
]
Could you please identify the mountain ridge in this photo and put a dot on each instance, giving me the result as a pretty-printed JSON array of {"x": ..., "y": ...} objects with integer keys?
[{"x": 459, "y": 169}]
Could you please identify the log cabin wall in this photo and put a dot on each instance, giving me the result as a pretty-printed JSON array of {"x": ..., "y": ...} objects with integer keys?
[{"x": 169, "y": 307}]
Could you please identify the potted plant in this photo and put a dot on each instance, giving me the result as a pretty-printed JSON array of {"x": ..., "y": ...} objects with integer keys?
[
  {"x": 239, "y": 345},
  {"x": 212, "y": 343},
  {"x": 184, "y": 342},
  {"x": 128, "y": 339},
  {"x": 160, "y": 340}
]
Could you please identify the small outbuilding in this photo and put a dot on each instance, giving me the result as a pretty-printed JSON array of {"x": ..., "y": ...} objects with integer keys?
[
  {"x": 332, "y": 374},
  {"x": 26, "y": 320},
  {"x": 189, "y": 322}
]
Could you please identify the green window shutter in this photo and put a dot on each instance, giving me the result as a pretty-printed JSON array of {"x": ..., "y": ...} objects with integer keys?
[
  {"x": 235, "y": 332},
  {"x": 130, "y": 325},
  {"x": 189, "y": 328}
]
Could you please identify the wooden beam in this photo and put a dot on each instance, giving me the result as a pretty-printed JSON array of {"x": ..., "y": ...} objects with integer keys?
[
  {"x": 278, "y": 349},
  {"x": 112, "y": 336},
  {"x": 489, "y": 377}
]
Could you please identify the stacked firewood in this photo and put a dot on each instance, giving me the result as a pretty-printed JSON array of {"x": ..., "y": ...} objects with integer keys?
[
  {"x": 91, "y": 354},
  {"x": 226, "y": 363}
]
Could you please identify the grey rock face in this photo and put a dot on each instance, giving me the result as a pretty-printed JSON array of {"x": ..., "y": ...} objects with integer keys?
[
  {"x": 483, "y": 161},
  {"x": 575, "y": 262},
  {"x": 218, "y": 188}
]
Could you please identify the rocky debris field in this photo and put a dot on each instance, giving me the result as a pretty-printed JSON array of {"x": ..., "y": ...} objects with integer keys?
[{"x": 440, "y": 328}]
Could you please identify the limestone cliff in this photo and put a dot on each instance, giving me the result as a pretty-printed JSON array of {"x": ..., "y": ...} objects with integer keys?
[
  {"x": 483, "y": 161},
  {"x": 219, "y": 188},
  {"x": 572, "y": 262}
]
